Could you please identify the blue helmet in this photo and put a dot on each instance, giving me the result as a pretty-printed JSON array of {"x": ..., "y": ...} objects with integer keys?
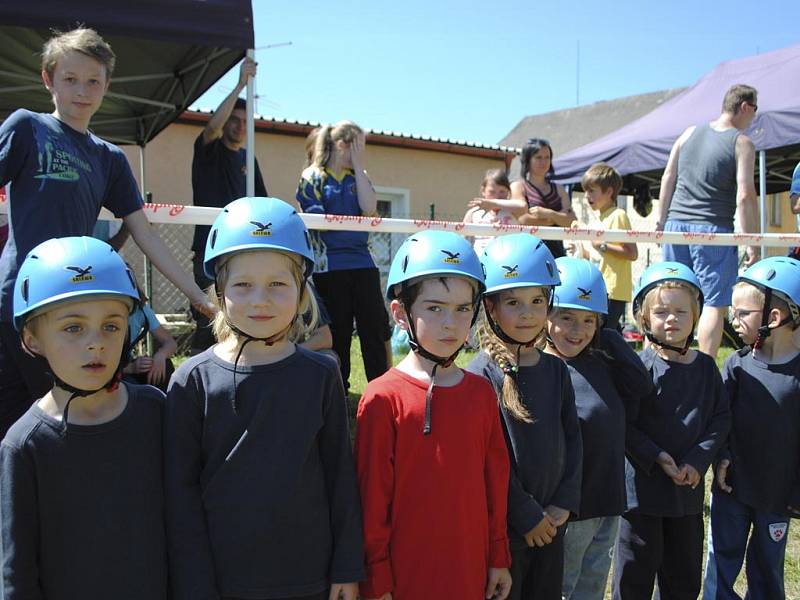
[
  {"x": 434, "y": 253},
  {"x": 795, "y": 189},
  {"x": 664, "y": 271},
  {"x": 518, "y": 260},
  {"x": 69, "y": 268},
  {"x": 582, "y": 286},
  {"x": 780, "y": 274},
  {"x": 257, "y": 224}
]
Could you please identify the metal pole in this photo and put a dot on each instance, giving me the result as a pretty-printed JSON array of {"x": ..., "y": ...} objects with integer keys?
[
  {"x": 251, "y": 133},
  {"x": 762, "y": 192},
  {"x": 148, "y": 268}
]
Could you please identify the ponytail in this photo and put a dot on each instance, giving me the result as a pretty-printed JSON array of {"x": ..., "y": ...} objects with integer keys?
[{"x": 499, "y": 354}]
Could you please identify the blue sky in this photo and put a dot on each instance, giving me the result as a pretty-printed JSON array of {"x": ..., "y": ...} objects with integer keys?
[{"x": 471, "y": 70}]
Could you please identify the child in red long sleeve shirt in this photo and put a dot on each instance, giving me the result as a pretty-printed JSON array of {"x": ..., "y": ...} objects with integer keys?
[{"x": 430, "y": 453}]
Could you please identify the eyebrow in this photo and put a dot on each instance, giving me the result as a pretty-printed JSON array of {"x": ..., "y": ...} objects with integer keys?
[{"x": 80, "y": 316}]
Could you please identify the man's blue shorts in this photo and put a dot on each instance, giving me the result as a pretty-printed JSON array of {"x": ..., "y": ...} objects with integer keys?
[{"x": 716, "y": 267}]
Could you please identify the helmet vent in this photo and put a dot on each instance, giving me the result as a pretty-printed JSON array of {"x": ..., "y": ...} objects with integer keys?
[
  {"x": 214, "y": 237},
  {"x": 771, "y": 274},
  {"x": 24, "y": 289}
]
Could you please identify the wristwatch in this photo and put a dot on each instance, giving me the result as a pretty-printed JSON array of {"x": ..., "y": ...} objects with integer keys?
[{"x": 603, "y": 247}]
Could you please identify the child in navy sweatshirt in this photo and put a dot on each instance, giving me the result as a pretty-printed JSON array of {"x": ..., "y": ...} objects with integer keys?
[
  {"x": 537, "y": 406},
  {"x": 678, "y": 432},
  {"x": 758, "y": 476},
  {"x": 609, "y": 380},
  {"x": 262, "y": 499},
  {"x": 81, "y": 492}
]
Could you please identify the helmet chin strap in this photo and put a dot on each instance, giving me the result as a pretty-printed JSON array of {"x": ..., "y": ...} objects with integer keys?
[
  {"x": 268, "y": 341},
  {"x": 682, "y": 350},
  {"x": 765, "y": 330},
  {"x": 438, "y": 361},
  {"x": 75, "y": 392}
]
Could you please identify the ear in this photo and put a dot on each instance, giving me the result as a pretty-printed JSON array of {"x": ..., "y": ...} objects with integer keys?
[
  {"x": 46, "y": 81},
  {"x": 399, "y": 314},
  {"x": 30, "y": 344},
  {"x": 774, "y": 318}
]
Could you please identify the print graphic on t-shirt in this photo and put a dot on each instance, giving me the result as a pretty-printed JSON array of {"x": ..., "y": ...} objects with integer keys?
[{"x": 58, "y": 159}]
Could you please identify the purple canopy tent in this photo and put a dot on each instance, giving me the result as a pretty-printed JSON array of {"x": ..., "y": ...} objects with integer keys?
[{"x": 640, "y": 149}]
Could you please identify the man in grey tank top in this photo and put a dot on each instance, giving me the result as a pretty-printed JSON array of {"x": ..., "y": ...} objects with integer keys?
[{"x": 710, "y": 177}]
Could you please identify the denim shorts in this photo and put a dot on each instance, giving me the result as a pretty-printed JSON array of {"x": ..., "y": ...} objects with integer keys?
[{"x": 716, "y": 267}]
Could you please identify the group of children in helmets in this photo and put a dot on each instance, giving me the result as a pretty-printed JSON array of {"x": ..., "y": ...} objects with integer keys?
[{"x": 242, "y": 484}]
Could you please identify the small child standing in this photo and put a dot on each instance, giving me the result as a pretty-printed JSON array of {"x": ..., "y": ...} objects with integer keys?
[
  {"x": 609, "y": 380},
  {"x": 758, "y": 476},
  {"x": 537, "y": 407},
  {"x": 679, "y": 429},
  {"x": 262, "y": 497},
  {"x": 494, "y": 206},
  {"x": 81, "y": 491},
  {"x": 432, "y": 464},
  {"x": 602, "y": 184}
]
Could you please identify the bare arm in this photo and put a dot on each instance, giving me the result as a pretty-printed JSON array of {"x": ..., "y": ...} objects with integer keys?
[
  {"x": 367, "y": 200},
  {"x": 518, "y": 195},
  {"x": 628, "y": 251},
  {"x": 746, "y": 204},
  {"x": 119, "y": 239},
  {"x": 321, "y": 339},
  {"x": 670, "y": 178},
  {"x": 213, "y": 129},
  {"x": 156, "y": 250},
  {"x": 514, "y": 205}
]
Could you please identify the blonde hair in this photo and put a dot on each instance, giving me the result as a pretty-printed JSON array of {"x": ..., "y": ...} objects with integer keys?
[
  {"x": 643, "y": 314},
  {"x": 84, "y": 40},
  {"x": 306, "y": 303},
  {"x": 327, "y": 136},
  {"x": 310, "y": 145},
  {"x": 501, "y": 356}
]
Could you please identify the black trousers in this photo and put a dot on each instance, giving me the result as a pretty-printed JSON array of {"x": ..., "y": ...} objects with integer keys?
[
  {"x": 667, "y": 548},
  {"x": 202, "y": 338},
  {"x": 355, "y": 294},
  {"x": 616, "y": 310},
  {"x": 538, "y": 573},
  {"x": 320, "y": 596},
  {"x": 23, "y": 378}
]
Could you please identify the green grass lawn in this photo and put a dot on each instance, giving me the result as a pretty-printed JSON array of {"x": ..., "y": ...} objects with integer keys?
[{"x": 792, "y": 564}]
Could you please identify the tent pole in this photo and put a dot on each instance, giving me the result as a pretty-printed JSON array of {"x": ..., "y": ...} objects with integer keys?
[
  {"x": 251, "y": 133},
  {"x": 762, "y": 193},
  {"x": 148, "y": 272}
]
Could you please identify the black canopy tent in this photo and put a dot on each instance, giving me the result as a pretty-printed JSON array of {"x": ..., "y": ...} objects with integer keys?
[{"x": 169, "y": 52}]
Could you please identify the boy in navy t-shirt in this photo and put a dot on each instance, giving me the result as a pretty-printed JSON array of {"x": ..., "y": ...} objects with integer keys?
[
  {"x": 61, "y": 175},
  {"x": 758, "y": 475}
]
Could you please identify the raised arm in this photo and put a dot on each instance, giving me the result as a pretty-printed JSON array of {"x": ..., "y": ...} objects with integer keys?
[
  {"x": 213, "y": 129},
  {"x": 367, "y": 200}
]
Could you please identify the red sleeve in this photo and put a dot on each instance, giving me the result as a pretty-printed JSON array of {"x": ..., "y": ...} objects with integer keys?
[
  {"x": 496, "y": 476},
  {"x": 374, "y": 454}
]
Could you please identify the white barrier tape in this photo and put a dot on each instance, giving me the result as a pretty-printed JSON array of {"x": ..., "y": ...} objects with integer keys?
[{"x": 178, "y": 214}]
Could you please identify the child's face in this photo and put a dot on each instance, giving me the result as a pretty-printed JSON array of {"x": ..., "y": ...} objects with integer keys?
[
  {"x": 571, "y": 331},
  {"x": 598, "y": 198},
  {"x": 496, "y": 192},
  {"x": 261, "y": 294},
  {"x": 745, "y": 314},
  {"x": 77, "y": 86},
  {"x": 671, "y": 316},
  {"x": 520, "y": 312},
  {"x": 442, "y": 314},
  {"x": 82, "y": 341}
]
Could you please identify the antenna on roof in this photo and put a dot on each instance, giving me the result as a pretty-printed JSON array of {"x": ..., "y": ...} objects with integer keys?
[{"x": 276, "y": 45}]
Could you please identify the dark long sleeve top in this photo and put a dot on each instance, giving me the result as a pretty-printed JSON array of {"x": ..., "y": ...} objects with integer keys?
[
  {"x": 764, "y": 444},
  {"x": 609, "y": 383},
  {"x": 687, "y": 416},
  {"x": 546, "y": 455},
  {"x": 83, "y": 511},
  {"x": 262, "y": 502}
]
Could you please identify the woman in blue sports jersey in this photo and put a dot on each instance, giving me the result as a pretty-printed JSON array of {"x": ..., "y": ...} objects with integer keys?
[{"x": 345, "y": 274}]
